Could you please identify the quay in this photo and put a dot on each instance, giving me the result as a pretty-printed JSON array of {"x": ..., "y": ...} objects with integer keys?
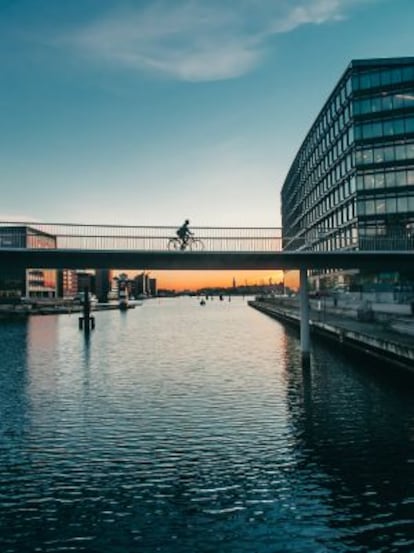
[
  {"x": 376, "y": 339},
  {"x": 18, "y": 309}
]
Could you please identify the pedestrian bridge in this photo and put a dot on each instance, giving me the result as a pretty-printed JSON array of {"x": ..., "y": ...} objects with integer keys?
[{"x": 57, "y": 245}]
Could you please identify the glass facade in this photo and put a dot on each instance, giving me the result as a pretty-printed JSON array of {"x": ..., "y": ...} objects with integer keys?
[{"x": 351, "y": 184}]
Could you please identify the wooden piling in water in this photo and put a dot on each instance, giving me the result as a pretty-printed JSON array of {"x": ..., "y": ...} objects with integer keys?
[{"x": 87, "y": 322}]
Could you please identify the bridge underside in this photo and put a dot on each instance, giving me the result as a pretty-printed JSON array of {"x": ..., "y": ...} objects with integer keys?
[{"x": 127, "y": 259}]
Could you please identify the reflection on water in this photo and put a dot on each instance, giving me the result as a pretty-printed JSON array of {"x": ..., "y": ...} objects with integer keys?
[{"x": 179, "y": 429}]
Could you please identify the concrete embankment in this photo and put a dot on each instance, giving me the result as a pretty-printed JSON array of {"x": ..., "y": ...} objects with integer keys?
[
  {"x": 22, "y": 310},
  {"x": 369, "y": 339}
]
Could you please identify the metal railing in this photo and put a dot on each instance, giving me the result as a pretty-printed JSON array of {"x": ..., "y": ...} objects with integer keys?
[
  {"x": 214, "y": 239},
  {"x": 366, "y": 237},
  {"x": 142, "y": 238}
]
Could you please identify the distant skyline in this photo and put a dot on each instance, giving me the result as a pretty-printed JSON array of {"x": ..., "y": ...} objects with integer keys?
[
  {"x": 195, "y": 280},
  {"x": 147, "y": 112}
]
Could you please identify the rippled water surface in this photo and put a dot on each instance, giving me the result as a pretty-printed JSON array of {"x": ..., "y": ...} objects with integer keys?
[{"x": 179, "y": 428}]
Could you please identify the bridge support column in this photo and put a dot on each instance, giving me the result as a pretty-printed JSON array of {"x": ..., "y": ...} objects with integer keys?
[{"x": 304, "y": 318}]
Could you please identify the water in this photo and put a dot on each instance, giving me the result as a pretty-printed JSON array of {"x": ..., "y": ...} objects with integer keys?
[{"x": 179, "y": 428}]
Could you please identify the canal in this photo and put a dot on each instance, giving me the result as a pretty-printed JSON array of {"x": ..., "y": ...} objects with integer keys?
[{"x": 180, "y": 428}]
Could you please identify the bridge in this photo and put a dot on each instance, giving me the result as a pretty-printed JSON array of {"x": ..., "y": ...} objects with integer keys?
[
  {"x": 74, "y": 246},
  {"x": 66, "y": 246}
]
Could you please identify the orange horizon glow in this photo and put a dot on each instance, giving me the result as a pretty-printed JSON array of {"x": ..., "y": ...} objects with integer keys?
[{"x": 194, "y": 280}]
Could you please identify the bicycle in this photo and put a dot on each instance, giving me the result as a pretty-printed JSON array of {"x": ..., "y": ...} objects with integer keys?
[{"x": 192, "y": 244}]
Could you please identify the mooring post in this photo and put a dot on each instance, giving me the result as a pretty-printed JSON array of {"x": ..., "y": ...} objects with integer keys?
[
  {"x": 86, "y": 309},
  {"x": 304, "y": 318},
  {"x": 86, "y": 322}
]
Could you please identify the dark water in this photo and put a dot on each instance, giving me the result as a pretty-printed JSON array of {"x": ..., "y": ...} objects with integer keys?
[{"x": 179, "y": 428}]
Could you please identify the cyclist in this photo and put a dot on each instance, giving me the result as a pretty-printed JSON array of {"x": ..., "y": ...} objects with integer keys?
[{"x": 184, "y": 234}]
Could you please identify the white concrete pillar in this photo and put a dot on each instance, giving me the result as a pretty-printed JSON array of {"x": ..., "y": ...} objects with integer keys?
[{"x": 304, "y": 317}]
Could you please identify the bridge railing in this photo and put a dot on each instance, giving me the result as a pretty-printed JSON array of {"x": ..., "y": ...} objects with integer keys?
[
  {"x": 365, "y": 238},
  {"x": 142, "y": 238},
  {"x": 214, "y": 239}
]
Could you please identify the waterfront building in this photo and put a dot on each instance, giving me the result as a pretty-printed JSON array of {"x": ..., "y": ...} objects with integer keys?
[
  {"x": 67, "y": 283},
  {"x": 152, "y": 283},
  {"x": 141, "y": 285},
  {"x": 351, "y": 184},
  {"x": 31, "y": 282}
]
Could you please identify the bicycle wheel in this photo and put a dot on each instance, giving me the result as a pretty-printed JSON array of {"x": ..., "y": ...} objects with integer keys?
[
  {"x": 196, "y": 245},
  {"x": 174, "y": 244}
]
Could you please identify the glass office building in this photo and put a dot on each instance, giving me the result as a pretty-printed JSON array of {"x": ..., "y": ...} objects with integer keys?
[{"x": 351, "y": 184}]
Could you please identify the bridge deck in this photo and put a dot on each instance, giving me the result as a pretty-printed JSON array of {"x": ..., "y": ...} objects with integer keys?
[{"x": 136, "y": 259}]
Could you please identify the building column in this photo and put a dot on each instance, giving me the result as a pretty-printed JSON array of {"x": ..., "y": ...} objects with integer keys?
[{"x": 304, "y": 318}]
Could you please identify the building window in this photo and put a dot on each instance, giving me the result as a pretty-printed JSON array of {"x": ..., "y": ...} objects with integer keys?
[
  {"x": 380, "y": 206},
  {"x": 390, "y": 179},
  {"x": 402, "y": 204},
  {"x": 391, "y": 205}
]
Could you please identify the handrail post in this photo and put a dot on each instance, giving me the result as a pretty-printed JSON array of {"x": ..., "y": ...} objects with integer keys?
[{"x": 304, "y": 318}]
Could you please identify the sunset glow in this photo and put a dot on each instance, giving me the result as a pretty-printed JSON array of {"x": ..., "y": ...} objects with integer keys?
[{"x": 194, "y": 280}]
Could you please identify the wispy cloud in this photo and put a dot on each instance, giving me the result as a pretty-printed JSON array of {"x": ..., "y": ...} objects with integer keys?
[{"x": 195, "y": 40}]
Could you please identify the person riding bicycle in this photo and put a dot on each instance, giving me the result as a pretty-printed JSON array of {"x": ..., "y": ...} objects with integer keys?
[{"x": 184, "y": 234}]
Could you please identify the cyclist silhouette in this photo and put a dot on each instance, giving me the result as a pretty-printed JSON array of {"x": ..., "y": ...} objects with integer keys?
[
  {"x": 184, "y": 234},
  {"x": 185, "y": 240}
]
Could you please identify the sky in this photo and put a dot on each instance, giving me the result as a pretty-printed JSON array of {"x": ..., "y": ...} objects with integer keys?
[{"x": 147, "y": 112}]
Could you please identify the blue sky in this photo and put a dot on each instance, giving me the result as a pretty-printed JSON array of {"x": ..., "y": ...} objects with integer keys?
[{"x": 149, "y": 112}]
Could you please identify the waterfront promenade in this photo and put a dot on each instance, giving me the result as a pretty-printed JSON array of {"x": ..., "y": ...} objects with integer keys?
[
  {"x": 384, "y": 338},
  {"x": 51, "y": 306}
]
